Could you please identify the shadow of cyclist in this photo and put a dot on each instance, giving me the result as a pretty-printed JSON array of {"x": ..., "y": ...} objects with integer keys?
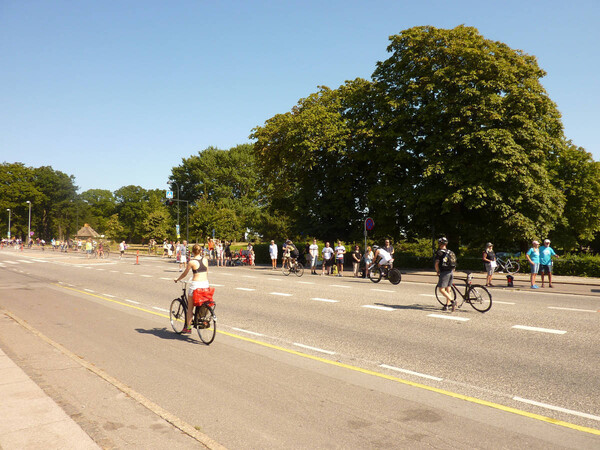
[{"x": 164, "y": 333}]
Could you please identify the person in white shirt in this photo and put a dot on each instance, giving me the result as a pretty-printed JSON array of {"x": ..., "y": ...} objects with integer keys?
[
  {"x": 327, "y": 254},
  {"x": 273, "y": 254},
  {"x": 382, "y": 257},
  {"x": 340, "y": 251},
  {"x": 313, "y": 251},
  {"x": 182, "y": 256}
]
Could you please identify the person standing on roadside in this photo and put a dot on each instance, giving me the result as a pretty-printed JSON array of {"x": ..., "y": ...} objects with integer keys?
[
  {"x": 356, "y": 256},
  {"x": 546, "y": 254},
  {"x": 273, "y": 254},
  {"x": 533, "y": 256},
  {"x": 445, "y": 263},
  {"x": 327, "y": 254},
  {"x": 313, "y": 251},
  {"x": 121, "y": 249},
  {"x": 340, "y": 251},
  {"x": 489, "y": 259},
  {"x": 390, "y": 249}
]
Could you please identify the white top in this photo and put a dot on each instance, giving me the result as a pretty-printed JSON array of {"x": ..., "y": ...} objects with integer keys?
[
  {"x": 327, "y": 252},
  {"x": 385, "y": 256},
  {"x": 273, "y": 250},
  {"x": 340, "y": 250},
  {"x": 314, "y": 250}
]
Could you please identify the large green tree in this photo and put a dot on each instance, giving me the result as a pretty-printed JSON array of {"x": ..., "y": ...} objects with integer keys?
[
  {"x": 473, "y": 129},
  {"x": 578, "y": 177}
]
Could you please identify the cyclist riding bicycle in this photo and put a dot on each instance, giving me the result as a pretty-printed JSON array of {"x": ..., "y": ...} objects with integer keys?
[
  {"x": 291, "y": 253},
  {"x": 199, "y": 267},
  {"x": 381, "y": 258}
]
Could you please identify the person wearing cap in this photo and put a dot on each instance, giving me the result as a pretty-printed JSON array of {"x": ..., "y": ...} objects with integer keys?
[
  {"x": 533, "y": 256},
  {"x": 445, "y": 274},
  {"x": 546, "y": 254},
  {"x": 489, "y": 259}
]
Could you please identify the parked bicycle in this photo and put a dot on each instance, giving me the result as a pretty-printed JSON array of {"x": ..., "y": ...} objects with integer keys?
[
  {"x": 475, "y": 295},
  {"x": 506, "y": 265},
  {"x": 292, "y": 267},
  {"x": 204, "y": 319},
  {"x": 377, "y": 272}
]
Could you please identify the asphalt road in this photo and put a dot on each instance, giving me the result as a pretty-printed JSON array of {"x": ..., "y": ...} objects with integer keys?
[{"x": 325, "y": 362}]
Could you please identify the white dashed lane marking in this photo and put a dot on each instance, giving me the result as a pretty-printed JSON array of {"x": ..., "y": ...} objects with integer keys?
[
  {"x": 541, "y": 330},
  {"x": 325, "y": 300},
  {"x": 381, "y": 308},
  {"x": 245, "y": 289},
  {"x": 440, "y": 316},
  {"x": 410, "y": 372},
  {"x": 387, "y": 290},
  {"x": 316, "y": 349},
  {"x": 246, "y": 331},
  {"x": 572, "y": 309},
  {"x": 557, "y": 408},
  {"x": 283, "y": 294},
  {"x": 340, "y": 286},
  {"x": 160, "y": 309},
  {"x": 26, "y": 261},
  {"x": 132, "y": 301},
  {"x": 108, "y": 295}
]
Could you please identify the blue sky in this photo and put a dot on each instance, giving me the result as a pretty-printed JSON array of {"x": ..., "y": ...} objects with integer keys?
[{"x": 118, "y": 92}]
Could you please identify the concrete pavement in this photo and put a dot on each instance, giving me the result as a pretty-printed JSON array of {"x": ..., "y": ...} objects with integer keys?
[{"x": 30, "y": 418}]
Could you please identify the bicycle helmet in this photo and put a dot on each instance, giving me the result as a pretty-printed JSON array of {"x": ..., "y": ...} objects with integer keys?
[
  {"x": 443, "y": 240},
  {"x": 375, "y": 248}
]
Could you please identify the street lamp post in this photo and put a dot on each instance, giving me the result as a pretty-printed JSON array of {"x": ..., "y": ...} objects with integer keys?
[
  {"x": 8, "y": 209},
  {"x": 28, "y": 226},
  {"x": 176, "y": 184}
]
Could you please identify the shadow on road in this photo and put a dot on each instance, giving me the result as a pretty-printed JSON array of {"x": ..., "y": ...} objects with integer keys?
[
  {"x": 164, "y": 333},
  {"x": 415, "y": 306}
]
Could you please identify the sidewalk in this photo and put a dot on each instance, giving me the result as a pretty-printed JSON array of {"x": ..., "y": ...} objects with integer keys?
[{"x": 30, "y": 418}]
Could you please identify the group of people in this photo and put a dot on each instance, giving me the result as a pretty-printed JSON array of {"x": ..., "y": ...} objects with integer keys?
[
  {"x": 540, "y": 261},
  {"x": 332, "y": 257}
]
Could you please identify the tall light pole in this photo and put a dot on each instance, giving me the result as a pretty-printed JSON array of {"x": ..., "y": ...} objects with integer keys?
[
  {"x": 8, "y": 209},
  {"x": 177, "y": 208},
  {"x": 28, "y": 225}
]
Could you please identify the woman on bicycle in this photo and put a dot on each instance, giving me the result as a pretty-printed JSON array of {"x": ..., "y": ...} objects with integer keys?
[{"x": 198, "y": 264}]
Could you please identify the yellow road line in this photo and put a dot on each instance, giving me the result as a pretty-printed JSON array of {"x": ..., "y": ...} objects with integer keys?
[{"x": 373, "y": 373}]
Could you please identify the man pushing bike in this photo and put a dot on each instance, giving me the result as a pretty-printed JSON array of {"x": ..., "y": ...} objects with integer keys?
[{"x": 445, "y": 263}]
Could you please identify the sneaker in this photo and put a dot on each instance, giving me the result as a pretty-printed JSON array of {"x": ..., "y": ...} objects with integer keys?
[
  {"x": 535, "y": 286},
  {"x": 453, "y": 305},
  {"x": 445, "y": 308},
  {"x": 187, "y": 330}
]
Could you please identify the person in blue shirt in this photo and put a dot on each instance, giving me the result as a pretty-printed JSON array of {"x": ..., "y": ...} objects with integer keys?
[
  {"x": 533, "y": 256},
  {"x": 546, "y": 254}
]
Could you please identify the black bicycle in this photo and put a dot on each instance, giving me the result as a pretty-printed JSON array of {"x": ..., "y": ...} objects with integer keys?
[
  {"x": 475, "y": 294},
  {"x": 204, "y": 318},
  {"x": 377, "y": 272},
  {"x": 294, "y": 266}
]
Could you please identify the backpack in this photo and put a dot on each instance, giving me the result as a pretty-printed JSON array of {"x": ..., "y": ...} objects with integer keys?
[{"x": 448, "y": 261}]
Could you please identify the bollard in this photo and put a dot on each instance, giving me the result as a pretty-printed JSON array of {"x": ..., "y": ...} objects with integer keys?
[
  {"x": 509, "y": 280},
  {"x": 137, "y": 257}
]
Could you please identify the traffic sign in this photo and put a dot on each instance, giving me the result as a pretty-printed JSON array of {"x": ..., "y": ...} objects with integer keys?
[
  {"x": 169, "y": 194},
  {"x": 369, "y": 224}
]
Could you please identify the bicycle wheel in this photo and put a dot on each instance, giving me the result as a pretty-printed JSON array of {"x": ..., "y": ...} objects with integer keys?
[
  {"x": 375, "y": 274},
  {"x": 178, "y": 314},
  {"x": 206, "y": 323},
  {"x": 512, "y": 267},
  {"x": 299, "y": 270},
  {"x": 440, "y": 297},
  {"x": 285, "y": 269},
  {"x": 479, "y": 298},
  {"x": 394, "y": 276}
]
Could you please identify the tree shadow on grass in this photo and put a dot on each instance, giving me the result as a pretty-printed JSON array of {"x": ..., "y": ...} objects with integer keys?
[{"x": 167, "y": 334}]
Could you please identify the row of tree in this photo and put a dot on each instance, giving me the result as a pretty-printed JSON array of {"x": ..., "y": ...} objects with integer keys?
[{"x": 454, "y": 135}]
